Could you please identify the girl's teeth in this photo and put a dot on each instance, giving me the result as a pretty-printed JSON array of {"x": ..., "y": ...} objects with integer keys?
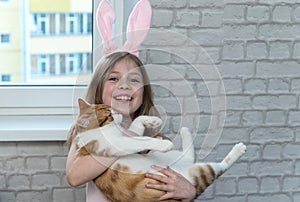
[{"x": 124, "y": 98}]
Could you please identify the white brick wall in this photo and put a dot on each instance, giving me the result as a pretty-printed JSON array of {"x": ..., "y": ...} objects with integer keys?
[{"x": 255, "y": 44}]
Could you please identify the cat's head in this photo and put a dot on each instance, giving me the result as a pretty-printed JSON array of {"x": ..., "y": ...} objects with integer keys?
[{"x": 91, "y": 116}]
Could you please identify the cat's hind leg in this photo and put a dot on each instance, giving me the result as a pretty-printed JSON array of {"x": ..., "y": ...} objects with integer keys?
[
  {"x": 237, "y": 151},
  {"x": 187, "y": 143}
]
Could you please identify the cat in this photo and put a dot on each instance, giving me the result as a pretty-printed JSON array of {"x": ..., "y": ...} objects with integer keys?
[{"x": 125, "y": 180}]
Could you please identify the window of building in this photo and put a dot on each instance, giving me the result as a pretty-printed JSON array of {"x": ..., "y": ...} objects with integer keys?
[
  {"x": 4, "y": 38},
  {"x": 5, "y": 77}
]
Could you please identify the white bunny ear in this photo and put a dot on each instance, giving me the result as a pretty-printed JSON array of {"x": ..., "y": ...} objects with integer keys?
[
  {"x": 105, "y": 19},
  {"x": 138, "y": 26}
]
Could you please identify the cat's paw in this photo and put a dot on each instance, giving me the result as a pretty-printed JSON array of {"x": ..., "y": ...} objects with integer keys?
[
  {"x": 240, "y": 148},
  {"x": 166, "y": 146},
  {"x": 151, "y": 121},
  {"x": 140, "y": 123}
]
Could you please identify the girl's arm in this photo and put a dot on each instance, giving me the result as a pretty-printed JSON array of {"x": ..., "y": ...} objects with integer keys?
[
  {"x": 174, "y": 184},
  {"x": 82, "y": 169}
]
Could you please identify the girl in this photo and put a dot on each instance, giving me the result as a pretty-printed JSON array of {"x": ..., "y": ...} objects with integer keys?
[{"x": 121, "y": 82}]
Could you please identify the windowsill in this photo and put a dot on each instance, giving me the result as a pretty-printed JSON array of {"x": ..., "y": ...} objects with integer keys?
[
  {"x": 33, "y": 135},
  {"x": 37, "y": 113}
]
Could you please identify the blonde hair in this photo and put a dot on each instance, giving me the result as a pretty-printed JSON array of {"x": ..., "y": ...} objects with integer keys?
[{"x": 100, "y": 75}]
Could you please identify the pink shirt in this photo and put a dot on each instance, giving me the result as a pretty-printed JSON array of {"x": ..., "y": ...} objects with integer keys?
[{"x": 93, "y": 194}]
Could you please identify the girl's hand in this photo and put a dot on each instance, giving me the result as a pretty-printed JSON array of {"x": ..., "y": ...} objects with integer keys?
[{"x": 174, "y": 184}]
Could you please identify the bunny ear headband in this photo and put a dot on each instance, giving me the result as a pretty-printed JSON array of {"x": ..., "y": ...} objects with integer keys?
[{"x": 137, "y": 28}]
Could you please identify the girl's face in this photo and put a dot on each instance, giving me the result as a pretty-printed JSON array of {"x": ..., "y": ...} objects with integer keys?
[{"x": 124, "y": 87}]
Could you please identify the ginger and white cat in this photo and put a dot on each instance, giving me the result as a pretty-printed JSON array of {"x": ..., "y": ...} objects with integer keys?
[{"x": 124, "y": 180}]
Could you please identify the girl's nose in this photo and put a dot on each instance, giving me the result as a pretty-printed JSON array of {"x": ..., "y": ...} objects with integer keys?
[{"x": 123, "y": 84}]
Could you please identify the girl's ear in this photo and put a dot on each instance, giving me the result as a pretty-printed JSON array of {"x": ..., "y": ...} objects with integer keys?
[{"x": 138, "y": 26}]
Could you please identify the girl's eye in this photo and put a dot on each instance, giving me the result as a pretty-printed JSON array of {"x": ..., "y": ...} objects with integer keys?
[
  {"x": 113, "y": 79},
  {"x": 135, "y": 80}
]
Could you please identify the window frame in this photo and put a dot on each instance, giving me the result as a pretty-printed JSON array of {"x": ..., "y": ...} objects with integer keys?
[{"x": 26, "y": 109}]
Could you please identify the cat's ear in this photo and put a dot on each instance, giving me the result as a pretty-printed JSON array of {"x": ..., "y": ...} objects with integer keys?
[{"x": 82, "y": 103}]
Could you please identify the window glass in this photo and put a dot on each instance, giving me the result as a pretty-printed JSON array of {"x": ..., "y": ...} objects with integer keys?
[{"x": 54, "y": 47}]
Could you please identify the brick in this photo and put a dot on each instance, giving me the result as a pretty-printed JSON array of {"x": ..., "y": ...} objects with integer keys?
[
  {"x": 234, "y": 135},
  {"x": 271, "y": 168},
  {"x": 236, "y": 69},
  {"x": 291, "y": 151},
  {"x": 297, "y": 167},
  {"x": 225, "y": 186},
  {"x": 296, "y": 51},
  {"x": 8, "y": 148},
  {"x": 207, "y": 88},
  {"x": 206, "y": 3},
  {"x": 184, "y": 55},
  {"x": 273, "y": 197},
  {"x": 233, "y": 50},
  {"x": 37, "y": 163},
  {"x": 294, "y": 118},
  {"x": 58, "y": 163},
  {"x": 282, "y": 13},
  {"x": 45, "y": 180},
  {"x": 160, "y": 57},
  {"x": 270, "y": 184},
  {"x": 162, "y": 18},
  {"x": 275, "y": 102},
  {"x": 187, "y": 19},
  {"x": 212, "y": 19},
  {"x": 253, "y": 152},
  {"x": 19, "y": 182},
  {"x": 279, "y": 49},
  {"x": 258, "y": 13},
  {"x": 248, "y": 185},
  {"x": 232, "y": 86},
  {"x": 276, "y": 117},
  {"x": 238, "y": 169},
  {"x": 279, "y": 85},
  {"x": 63, "y": 194},
  {"x": 239, "y": 32},
  {"x": 2, "y": 181},
  {"x": 274, "y": 69},
  {"x": 253, "y": 118},
  {"x": 207, "y": 37},
  {"x": 34, "y": 148},
  {"x": 168, "y": 3},
  {"x": 295, "y": 83},
  {"x": 262, "y": 135},
  {"x": 160, "y": 38},
  {"x": 238, "y": 102},
  {"x": 256, "y": 50},
  {"x": 15, "y": 164},
  {"x": 297, "y": 13},
  {"x": 8, "y": 196},
  {"x": 33, "y": 196},
  {"x": 234, "y": 13},
  {"x": 291, "y": 183},
  {"x": 278, "y": 31},
  {"x": 254, "y": 85},
  {"x": 233, "y": 118},
  {"x": 272, "y": 151}
]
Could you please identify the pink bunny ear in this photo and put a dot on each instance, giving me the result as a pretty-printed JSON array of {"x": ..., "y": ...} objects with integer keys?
[
  {"x": 138, "y": 26},
  {"x": 105, "y": 18}
]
